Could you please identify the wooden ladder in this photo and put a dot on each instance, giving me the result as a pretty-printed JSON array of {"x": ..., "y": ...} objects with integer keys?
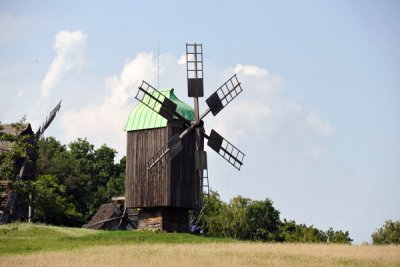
[{"x": 206, "y": 194}]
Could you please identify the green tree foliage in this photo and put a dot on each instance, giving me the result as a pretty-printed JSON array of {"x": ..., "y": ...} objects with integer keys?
[
  {"x": 338, "y": 236},
  {"x": 237, "y": 218},
  {"x": 263, "y": 221},
  {"x": 389, "y": 233},
  {"x": 87, "y": 176},
  {"x": 241, "y": 218},
  {"x": 301, "y": 233},
  {"x": 52, "y": 204},
  {"x": 213, "y": 218},
  {"x": 258, "y": 220}
]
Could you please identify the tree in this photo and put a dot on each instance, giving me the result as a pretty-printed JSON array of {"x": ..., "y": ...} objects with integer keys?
[
  {"x": 310, "y": 234},
  {"x": 301, "y": 233},
  {"x": 263, "y": 221},
  {"x": 89, "y": 176},
  {"x": 53, "y": 158},
  {"x": 338, "y": 236},
  {"x": 51, "y": 204},
  {"x": 237, "y": 217},
  {"x": 258, "y": 220},
  {"x": 116, "y": 184},
  {"x": 214, "y": 214},
  {"x": 389, "y": 233}
]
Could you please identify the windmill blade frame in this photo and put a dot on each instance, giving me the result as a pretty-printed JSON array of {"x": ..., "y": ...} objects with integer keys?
[
  {"x": 223, "y": 96},
  {"x": 194, "y": 70},
  {"x": 48, "y": 121},
  {"x": 169, "y": 151},
  {"x": 226, "y": 149},
  {"x": 158, "y": 102}
]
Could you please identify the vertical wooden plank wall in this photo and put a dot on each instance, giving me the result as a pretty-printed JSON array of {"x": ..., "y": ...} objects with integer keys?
[
  {"x": 144, "y": 190},
  {"x": 177, "y": 185}
]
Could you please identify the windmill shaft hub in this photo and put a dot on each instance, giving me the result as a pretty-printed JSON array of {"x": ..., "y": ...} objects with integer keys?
[{"x": 197, "y": 123}]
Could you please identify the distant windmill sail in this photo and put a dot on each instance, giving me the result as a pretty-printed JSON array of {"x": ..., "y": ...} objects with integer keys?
[{"x": 48, "y": 121}]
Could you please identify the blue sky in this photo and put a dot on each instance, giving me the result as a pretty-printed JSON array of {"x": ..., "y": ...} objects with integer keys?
[{"x": 318, "y": 118}]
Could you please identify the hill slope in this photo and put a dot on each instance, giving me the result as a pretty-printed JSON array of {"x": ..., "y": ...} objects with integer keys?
[{"x": 40, "y": 245}]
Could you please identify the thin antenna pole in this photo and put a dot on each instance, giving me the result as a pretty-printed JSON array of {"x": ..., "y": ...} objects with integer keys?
[{"x": 158, "y": 65}]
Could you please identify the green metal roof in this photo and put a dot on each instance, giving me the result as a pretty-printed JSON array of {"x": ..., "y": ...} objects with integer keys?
[{"x": 142, "y": 117}]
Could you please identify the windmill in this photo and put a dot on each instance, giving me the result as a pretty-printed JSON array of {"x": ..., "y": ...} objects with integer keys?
[
  {"x": 13, "y": 194},
  {"x": 167, "y": 167}
]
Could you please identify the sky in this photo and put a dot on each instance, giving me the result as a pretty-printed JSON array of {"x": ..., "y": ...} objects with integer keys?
[{"x": 318, "y": 118}]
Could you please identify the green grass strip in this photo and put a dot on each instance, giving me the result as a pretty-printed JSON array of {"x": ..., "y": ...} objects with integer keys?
[{"x": 23, "y": 238}]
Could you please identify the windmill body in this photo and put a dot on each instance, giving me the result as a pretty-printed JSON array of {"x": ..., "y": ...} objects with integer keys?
[
  {"x": 166, "y": 196},
  {"x": 166, "y": 162}
]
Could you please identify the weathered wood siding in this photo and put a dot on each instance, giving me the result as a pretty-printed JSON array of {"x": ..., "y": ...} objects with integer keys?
[
  {"x": 185, "y": 182},
  {"x": 141, "y": 189},
  {"x": 176, "y": 185},
  {"x": 167, "y": 219}
]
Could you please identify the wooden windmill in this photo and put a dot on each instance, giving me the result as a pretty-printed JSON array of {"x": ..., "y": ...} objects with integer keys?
[
  {"x": 25, "y": 170},
  {"x": 166, "y": 162}
]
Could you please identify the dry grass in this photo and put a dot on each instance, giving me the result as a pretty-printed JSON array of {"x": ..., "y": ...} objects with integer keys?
[{"x": 214, "y": 254}]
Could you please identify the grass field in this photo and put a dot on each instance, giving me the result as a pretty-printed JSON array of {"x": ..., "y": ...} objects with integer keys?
[{"x": 38, "y": 245}]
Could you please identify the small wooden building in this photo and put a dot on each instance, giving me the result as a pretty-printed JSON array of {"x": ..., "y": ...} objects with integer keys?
[
  {"x": 20, "y": 210},
  {"x": 167, "y": 194}
]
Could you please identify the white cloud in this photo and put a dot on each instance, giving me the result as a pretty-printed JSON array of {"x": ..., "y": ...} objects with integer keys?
[
  {"x": 260, "y": 81},
  {"x": 13, "y": 26},
  {"x": 242, "y": 118},
  {"x": 315, "y": 122},
  {"x": 182, "y": 60},
  {"x": 259, "y": 111},
  {"x": 260, "y": 118},
  {"x": 250, "y": 70},
  {"x": 102, "y": 123},
  {"x": 70, "y": 48}
]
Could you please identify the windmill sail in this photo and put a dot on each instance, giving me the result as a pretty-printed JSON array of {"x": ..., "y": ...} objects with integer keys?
[
  {"x": 194, "y": 68},
  {"x": 224, "y": 95},
  {"x": 225, "y": 149},
  {"x": 48, "y": 121},
  {"x": 158, "y": 102},
  {"x": 167, "y": 152}
]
